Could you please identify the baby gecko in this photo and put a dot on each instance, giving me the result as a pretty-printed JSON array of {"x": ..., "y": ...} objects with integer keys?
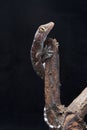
[{"x": 39, "y": 51}]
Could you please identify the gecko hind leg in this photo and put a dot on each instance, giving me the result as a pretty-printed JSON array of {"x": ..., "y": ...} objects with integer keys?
[{"x": 47, "y": 53}]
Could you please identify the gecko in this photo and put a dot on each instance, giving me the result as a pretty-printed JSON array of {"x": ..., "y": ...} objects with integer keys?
[{"x": 40, "y": 52}]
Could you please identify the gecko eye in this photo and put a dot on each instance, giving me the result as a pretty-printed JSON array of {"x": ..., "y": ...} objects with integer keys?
[{"x": 42, "y": 29}]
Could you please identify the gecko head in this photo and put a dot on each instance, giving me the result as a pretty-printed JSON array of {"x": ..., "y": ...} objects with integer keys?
[{"x": 43, "y": 31}]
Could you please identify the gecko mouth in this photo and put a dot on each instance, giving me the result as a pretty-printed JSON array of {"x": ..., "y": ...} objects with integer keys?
[{"x": 49, "y": 26}]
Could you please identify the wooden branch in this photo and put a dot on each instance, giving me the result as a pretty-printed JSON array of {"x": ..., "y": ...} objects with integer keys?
[
  {"x": 56, "y": 115},
  {"x": 52, "y": 81},
  {"x": 79, "y": 105},
  {"x": 53, "y": 106}
]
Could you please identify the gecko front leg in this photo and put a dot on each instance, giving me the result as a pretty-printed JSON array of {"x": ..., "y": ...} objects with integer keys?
[{"x": 46, "y": 53}]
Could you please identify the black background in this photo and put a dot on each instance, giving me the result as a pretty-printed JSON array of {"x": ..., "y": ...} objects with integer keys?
[{"x": 21, "y": 90}]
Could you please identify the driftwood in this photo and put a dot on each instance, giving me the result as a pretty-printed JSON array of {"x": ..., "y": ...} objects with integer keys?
[{"x": 56, "y": 115}]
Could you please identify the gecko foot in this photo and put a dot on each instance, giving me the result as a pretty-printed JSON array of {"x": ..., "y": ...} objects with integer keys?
[{"x": 47, "y": 53}]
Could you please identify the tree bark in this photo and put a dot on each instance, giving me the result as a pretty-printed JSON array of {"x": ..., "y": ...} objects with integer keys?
[{"x": 56, "y": 115}]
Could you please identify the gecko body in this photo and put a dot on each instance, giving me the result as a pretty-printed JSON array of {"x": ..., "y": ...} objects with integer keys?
[{"x": 39, "y": 52}]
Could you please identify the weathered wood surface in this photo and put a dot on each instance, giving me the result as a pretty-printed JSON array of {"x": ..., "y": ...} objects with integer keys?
[{"x": 56, "y": 115}]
